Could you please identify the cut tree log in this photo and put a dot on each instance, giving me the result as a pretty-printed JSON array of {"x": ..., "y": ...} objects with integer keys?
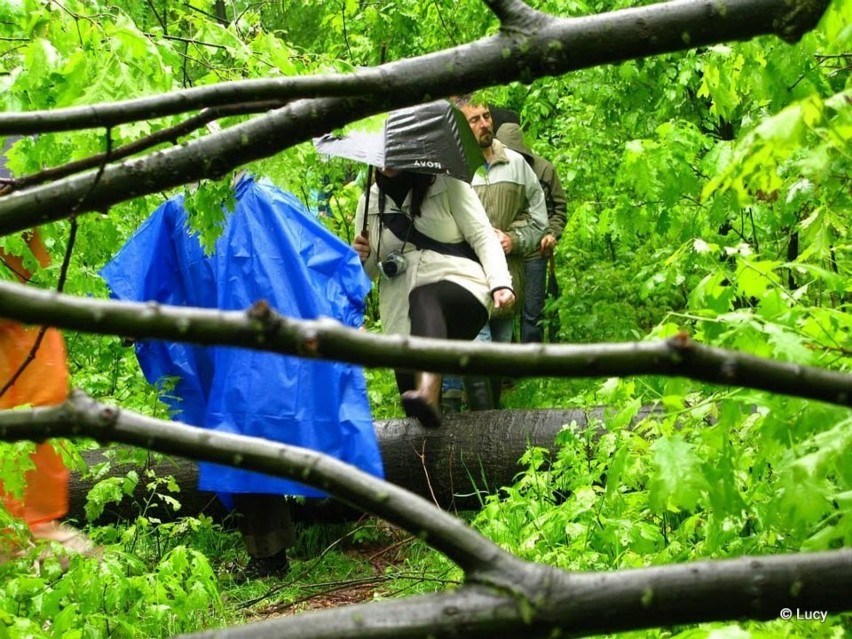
[{"x": 456, "y": 466}]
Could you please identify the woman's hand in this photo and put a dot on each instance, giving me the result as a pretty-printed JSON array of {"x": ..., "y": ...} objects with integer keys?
[
  {"x": 361, "y": 244},
  {"x": 503, "y": 298}
]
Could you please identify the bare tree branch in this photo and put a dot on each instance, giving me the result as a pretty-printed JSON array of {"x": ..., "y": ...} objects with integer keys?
[
  {"x": 262, "y": 329},
  {"x": 573, "y": 605},
  {"x": 504, "y": 597},
  {"x": 170, "y": 134},
  {"x": 516, "y": 16},
  {"x": 80, "y": 416},
  {"x": 557, "y": 47},
  {"x": 548, "y": 46}
]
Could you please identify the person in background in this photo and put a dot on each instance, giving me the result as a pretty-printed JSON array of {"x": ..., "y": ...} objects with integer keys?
[
  {"x": 535, "y": 264},
  {"x": 514, "y": 202},
  {"x": 440, "y": 265},
  {"x": 44, "y": 382},
  {"x": 500, "y": 116},
  {"x": 272, "y": 249}
]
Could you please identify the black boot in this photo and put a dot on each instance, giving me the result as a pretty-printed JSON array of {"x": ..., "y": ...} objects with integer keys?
[
  {"x": 424, "y": 403},
  {"x": 479, "y": 393},
  {"x": 261, "y": 567}
]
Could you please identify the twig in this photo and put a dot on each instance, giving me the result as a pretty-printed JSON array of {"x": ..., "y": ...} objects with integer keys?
[
  {"x": 12, "y": 50},
  {"x": 27, "y": 360},
  {"x": 21, "y": 276},
  {"x": 332, "y": 587},
  {"x": 516, "y": 16},
  {"x": 186, "y": 81},
  {"x": 345, "y": 33},
  {"x": 162, "y": 22},
  {"x": 252, "y": 7},
  {"x": 306, "y": 570},
  {"x": 422, "y": 456},
  {"x": 393, "y": 546},
  {"x": 169, "y": 134},
  {"x": 753, "y": 229},
  {"x": 30, "y": 358},
  {"x": 191, "y": 7},
  {"x": 327, "y": 590},
  {"x": 832, "y": 56},
  {"x": 444, "y": 24},
  {"x": 199, "y": 43}
]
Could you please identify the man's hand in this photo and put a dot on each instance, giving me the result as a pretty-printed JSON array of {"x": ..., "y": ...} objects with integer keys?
[
  {"x": 548, "y": 242},
  {"x": 503, "y": 298},
  {"x": 505, "y": 241},
  {"x": 361, "y": 244}
]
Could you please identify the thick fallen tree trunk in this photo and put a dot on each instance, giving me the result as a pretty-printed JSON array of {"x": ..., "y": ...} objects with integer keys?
[{"x": 456, "y": 466}]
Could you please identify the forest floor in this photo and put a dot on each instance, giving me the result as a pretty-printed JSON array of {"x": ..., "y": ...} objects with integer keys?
[{"x": 367, "y": 571}]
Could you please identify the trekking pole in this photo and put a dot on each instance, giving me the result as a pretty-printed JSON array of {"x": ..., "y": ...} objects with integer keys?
[
  {"x": 367, "y": 199},
  {"x": 370, "y": 166}
]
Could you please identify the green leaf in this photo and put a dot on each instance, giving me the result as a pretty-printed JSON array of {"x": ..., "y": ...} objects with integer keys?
[
  {"x": 788, "y": 346},
  {"x": 677, "y": 482},
  {"x": 106, "y": 491},
  {"x": 755, "y": 277}
]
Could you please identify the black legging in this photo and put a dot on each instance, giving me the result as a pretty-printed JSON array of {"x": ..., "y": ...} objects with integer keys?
[{"x": 443, "y": 310}]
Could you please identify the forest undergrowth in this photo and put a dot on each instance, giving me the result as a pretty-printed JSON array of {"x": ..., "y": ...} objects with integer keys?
[{"x": 709, "y": 193}]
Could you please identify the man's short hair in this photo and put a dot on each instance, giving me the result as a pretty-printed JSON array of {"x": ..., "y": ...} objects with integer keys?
[{"x": 469, "y": 99}]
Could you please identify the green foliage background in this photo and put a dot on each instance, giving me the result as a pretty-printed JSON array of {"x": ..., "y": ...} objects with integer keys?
[{"x": 709, "y": 191}]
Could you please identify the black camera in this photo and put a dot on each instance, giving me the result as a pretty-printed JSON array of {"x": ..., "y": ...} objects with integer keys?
[{"x": 393, "y": 265}]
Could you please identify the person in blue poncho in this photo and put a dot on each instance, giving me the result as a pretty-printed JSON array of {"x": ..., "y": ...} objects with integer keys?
[{"x": 271, "y": 249}]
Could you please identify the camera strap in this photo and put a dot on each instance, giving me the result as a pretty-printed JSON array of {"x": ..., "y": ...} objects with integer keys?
[
  {"x": 382, "y": 223},
  {"x": 402, "y": 226}
]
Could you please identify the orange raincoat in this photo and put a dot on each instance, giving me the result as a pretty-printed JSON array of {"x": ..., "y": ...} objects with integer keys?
[{"x": 43, "y": 383}]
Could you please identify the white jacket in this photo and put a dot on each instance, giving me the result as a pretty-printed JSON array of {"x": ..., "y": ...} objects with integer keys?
[{"x": 451, "y": 212}]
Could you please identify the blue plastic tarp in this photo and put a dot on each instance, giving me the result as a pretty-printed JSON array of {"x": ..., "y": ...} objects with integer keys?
[{"x": 271, "y": 249}]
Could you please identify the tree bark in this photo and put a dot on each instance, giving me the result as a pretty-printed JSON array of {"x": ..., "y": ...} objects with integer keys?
[
  {"x": 262, "y": 328},
  {"x": 456, "y": 467}
]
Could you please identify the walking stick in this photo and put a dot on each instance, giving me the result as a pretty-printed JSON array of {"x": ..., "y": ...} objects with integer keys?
[{"x": 370, "y": 166}]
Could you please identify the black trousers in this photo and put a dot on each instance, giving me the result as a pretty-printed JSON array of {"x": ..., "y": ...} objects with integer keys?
[
  {"x": 443, "y": 310},
  {"x": 265, "y": 523}
]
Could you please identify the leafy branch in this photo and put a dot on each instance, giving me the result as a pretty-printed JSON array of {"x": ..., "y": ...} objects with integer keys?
[
  {"x": 553, "y": 47},
  {"x": 263, "y": 329},
  {"x": 502, "y": 595}
]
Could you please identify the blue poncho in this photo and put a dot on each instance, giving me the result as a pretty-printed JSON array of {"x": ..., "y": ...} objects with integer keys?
[{"x": 270, "y": 249}]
